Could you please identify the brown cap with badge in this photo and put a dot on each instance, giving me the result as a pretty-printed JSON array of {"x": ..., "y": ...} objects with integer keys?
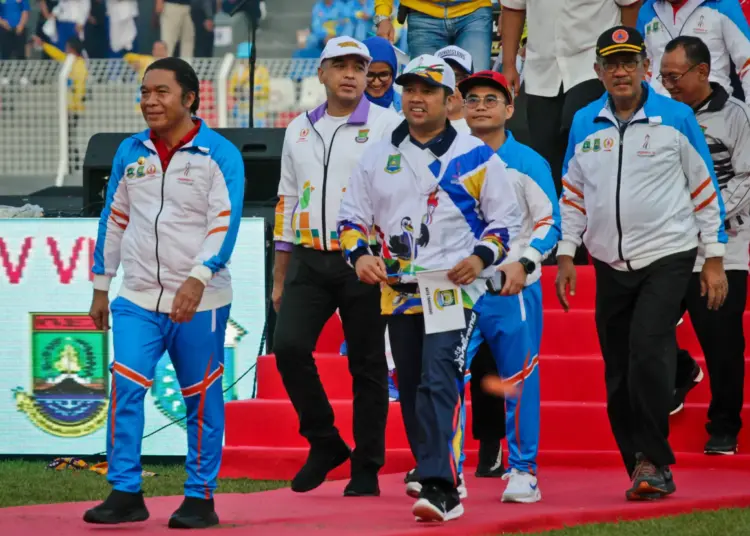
[{"x": 620, "y": 40}]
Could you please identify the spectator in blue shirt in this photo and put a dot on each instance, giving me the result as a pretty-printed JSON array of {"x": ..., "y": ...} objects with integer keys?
[
  {"x": 328, "y": 16},
  {"x": 360, "y": 16},
  {"x": 14, "y": 14}
]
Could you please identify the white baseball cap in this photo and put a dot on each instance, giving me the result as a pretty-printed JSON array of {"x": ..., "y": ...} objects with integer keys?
[
  {"x": 344, "y": 46},
  {"x": 430, "y": 70},
  {"x": 457, "y": 55}
]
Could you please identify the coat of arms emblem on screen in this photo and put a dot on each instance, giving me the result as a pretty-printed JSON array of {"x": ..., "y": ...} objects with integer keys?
[
  {"x": 70, "y": 381},
  {"x": 166, "y": 388}
]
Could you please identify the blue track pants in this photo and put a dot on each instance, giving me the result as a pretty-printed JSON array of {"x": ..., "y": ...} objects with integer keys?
[
  {"x": 430, "y": 372},
  {"x": 512, "y": 326},
  {"x": 196, "y": 349}
]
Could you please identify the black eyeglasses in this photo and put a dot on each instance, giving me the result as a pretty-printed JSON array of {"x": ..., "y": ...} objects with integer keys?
[
  {"x": 383, "y": 76},
  {"x": 612, "y": 66}
]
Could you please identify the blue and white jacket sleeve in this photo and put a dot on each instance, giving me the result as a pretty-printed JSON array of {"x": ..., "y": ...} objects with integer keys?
[
  {"x": 704, "y": 188},
  {"x": 736, "y": 32},
  {"x": 225, "y": 202},
  {"x": 499, "y": 203},
  {"x": 112, "y": 223},
  {"x": 544, "y": 209},
  {"x": 573, "y": 219},
  {"x": 356, "y": 215}
]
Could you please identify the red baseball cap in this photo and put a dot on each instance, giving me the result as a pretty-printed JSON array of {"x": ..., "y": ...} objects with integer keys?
[{"x": 487, "y": 78}]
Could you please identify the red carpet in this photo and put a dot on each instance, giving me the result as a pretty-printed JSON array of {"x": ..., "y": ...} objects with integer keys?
[
  {"x": 262, "y": 439},
  {"x": 570, "y": 496}
]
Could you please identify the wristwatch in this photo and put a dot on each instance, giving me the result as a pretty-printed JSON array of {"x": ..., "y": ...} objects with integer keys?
[
  {"x": 528, "y": 265},
  {"x": 380, "y": 18}
]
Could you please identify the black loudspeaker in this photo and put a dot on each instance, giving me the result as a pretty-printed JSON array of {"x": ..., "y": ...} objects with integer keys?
[{"x": 261, "y": 153}]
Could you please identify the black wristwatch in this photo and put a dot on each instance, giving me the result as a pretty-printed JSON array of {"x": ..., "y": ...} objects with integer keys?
[{"x": 528, "y": 265}]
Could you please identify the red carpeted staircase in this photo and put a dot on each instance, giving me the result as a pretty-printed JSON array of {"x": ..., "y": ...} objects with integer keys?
[{"x": 262, "y": 439}]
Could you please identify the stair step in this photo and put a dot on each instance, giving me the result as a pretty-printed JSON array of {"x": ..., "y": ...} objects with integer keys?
[
  {"x": 563, "y": 379},
  {"x": 564, "y": 426},
  {"x": 264, "y": 463}
]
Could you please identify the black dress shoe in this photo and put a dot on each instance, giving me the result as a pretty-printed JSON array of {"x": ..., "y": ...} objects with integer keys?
[
  {"x": 321, "y": 460},
  {"x": 194, "y": 513},
  {"x": 724, "y": 444},
  {"x": 363, "y": 484},
  {"x": 119, "y": 507}
]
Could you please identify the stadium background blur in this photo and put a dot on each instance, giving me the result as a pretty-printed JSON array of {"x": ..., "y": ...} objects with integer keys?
[{"x": 53, "y": 102}]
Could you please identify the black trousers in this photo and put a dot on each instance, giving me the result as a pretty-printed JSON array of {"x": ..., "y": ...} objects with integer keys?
[
  {"x": 317, "y": 283},
  {"x": 722, "y": 339},
  {"x": 487, "y": 411},
  {"x": 430, "y": 372},
  {"x": 550, "y": 119},
  {"x": 12, "y": 45},
  {"x": 636, "y": 314}
]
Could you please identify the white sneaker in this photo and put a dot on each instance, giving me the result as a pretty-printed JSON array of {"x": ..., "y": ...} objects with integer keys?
[
  {"x": 522, "y": 487},
  {"x": 414, "y": 487}
]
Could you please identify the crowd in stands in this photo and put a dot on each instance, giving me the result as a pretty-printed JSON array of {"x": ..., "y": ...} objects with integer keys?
[{"x": 109, "y": 28}]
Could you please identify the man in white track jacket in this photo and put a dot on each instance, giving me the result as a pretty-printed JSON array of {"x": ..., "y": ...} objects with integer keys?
[
  {"x": 312, "y": 279},
  {"x": 726, "y": 125},
  {"x": 439, "y": 200},
  {"x": 639, "y": 185}
]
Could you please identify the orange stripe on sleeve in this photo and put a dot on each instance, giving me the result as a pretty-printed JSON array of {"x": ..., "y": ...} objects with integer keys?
[
  {"x": 543, "y": 222},
  {"x": 567, "y": 201},
  {"x": 218, "y": 230},
  {"x": 119, "y": 214},
  {"x": 224, "y": 213},
  {"x": 700, "y": 188},
  {"x": 573, "y": 189},
  {"x": 705, "y": 203},
  {"x": 120, "y": 225}
]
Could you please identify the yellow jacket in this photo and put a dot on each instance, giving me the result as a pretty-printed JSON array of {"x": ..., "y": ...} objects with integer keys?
[
  {"x": 77, "y": 79},
  {"x": 139, "y": 62},
  {"x": 434, "y": 8}
]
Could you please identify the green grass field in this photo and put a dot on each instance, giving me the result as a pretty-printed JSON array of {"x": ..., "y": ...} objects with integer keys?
[{"x": 24, "y": 483}]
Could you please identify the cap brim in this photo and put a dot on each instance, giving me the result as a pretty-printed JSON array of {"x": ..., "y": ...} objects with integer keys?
[
  {"x": 454, "y": 63},
  {"x": 405, "y": 78},
  {"x": 365, "y": 57},
  {"x": 470, "y": 83},
  {"x": 621, "y": 48}
]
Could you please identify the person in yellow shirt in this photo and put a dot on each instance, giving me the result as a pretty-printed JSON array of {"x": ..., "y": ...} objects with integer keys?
[
  {"x": 141, "y": 62},
  {"x": 76, "y": 90},
  {"x": 435, "y": 24},
  {"x": 239, "y": 90}
]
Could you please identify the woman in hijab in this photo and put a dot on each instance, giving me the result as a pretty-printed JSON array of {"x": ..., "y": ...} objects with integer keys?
[{"x": 383, "y": 70}]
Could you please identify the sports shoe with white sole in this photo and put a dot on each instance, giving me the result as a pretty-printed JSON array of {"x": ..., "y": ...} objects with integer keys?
[
  {"x": 414, "y": 487},
  {"x": 522, "y": 487},
  {"x": 437, "y": 505}
]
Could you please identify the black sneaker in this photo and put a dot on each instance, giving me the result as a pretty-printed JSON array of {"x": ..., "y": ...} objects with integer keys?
[
  {"x": 650, "y": 482},
  {"x": 363, "y": 483},
  {"x": 682, "y": 390},
  {"x": 437, "y": 504},
  {"x": 721, "y": 444},
  {"x": 119, "y": 507},
  {"x": 413, "y": 485},
  {"x": 194, "y": 513},
  {"x": 490, "y": 460},
  {"x": 321, "y": 460}
]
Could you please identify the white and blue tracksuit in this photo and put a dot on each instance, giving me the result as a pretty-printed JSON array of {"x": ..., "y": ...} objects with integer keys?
[
  {"x": 164, "y": 226},
  {"x": 512, "y": 325}
]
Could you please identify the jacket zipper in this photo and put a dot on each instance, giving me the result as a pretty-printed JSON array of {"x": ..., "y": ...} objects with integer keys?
[
  {"x": 156, "y": 233},
  {"x": 326, "y": 160}
]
